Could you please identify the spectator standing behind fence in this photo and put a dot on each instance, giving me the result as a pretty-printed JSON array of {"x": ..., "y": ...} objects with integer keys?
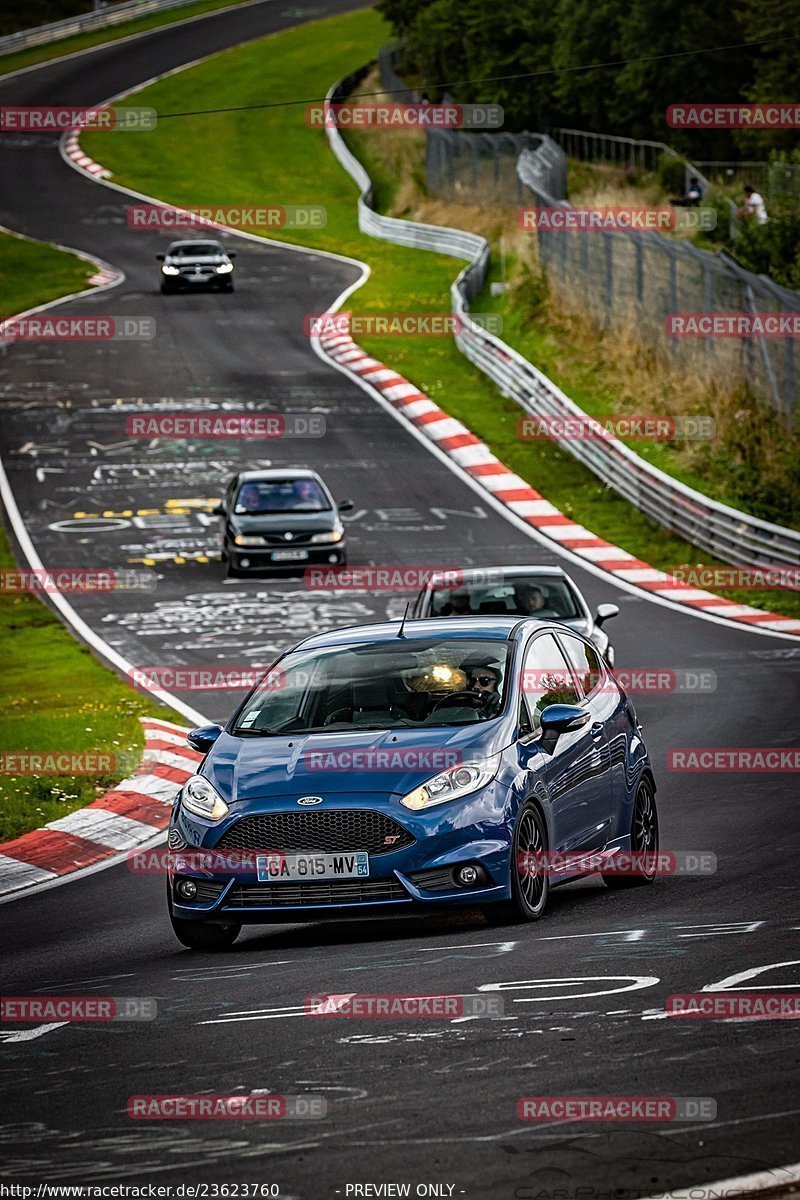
[
  {"x": 754, "y": 207},
  {"x": 693, "y": 196}
]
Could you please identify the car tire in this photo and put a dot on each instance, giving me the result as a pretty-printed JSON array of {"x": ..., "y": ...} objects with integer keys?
[
  {"x": 644, "y": 836},
  {"x": 228, "y": 287},
  {"x": 166, "y": 290},
  {"x": 529, "y": 892}
]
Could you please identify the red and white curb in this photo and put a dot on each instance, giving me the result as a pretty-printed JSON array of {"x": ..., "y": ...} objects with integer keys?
[
  {"x": 72, "y": 150},
  {"x": 475, "y": 457},
  {"x": 133, "y": 812}
]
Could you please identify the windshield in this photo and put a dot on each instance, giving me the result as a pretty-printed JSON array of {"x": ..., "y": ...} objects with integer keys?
[
  {"x": 547, "y": 597},
  {"x": 381, "y": 685},
  {"x": 195, "y": 250},
  {"x": 285, "y": 495}
]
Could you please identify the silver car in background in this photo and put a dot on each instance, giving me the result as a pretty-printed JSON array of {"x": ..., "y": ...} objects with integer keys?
[{"x": 544, "y": 592}]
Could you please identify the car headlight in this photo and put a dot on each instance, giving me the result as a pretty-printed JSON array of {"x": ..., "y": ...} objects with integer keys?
[
  {"x": 333, "y": 535},
  {"x": 224, "y": 268},
  {"x": 452, "y": 784},
  {"x": 167, "y": 269},
  {"x": 200, "y": 798},
  {"x": 249, "y": 539}
]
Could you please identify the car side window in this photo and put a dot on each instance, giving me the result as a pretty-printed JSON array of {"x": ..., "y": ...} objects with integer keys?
[
  {"x": 585, "y": 661},
  {"x": 546, "y": 678}
]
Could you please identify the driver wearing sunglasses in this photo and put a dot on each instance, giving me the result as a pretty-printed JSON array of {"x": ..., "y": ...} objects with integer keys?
[{"x": 484, "y": 679}]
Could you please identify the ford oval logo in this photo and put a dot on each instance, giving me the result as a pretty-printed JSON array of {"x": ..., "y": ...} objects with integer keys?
[{"x": 310, "y": 800}]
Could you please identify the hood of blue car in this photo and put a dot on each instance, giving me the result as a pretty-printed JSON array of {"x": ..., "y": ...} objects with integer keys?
[{"x": 392, "y": 760}]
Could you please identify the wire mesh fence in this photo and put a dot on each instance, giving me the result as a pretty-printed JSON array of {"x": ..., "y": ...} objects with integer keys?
[
  {"x": 776, "y": 180},
  {"x": 623, "y": 278},
  {"x": 641, "y": 280},
  {"x": 482, "y": 167}
]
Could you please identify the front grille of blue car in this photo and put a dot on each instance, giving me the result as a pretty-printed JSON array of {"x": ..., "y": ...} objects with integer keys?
[{"x": 326, "y": 832}]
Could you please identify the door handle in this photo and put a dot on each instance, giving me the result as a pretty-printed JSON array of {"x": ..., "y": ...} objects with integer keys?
[{"x": 597, "y": 731}]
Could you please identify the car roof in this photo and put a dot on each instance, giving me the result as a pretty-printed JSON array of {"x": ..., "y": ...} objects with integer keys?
[
  {"x": 479, "y": 575},
  {"x": 458, "y": 628},
  {"x": 269, "y": 474},
  {"x": 195, "y": 242}
]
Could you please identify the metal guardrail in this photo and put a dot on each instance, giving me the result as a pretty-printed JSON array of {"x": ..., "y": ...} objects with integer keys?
[
  {"x": 84, "y": 22},
  {"x": 727, "y": 533}
]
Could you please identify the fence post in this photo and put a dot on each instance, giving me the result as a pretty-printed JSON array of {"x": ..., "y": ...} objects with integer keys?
[{"x": 609, "y": 263}]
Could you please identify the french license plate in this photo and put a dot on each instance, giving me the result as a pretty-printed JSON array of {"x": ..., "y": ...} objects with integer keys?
[
  {"x": 289, "y": 555},
  {"x": 273, "y": 868}
]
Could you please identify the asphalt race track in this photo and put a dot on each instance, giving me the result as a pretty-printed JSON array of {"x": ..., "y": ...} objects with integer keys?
[{"x": 426, "y": 1101}]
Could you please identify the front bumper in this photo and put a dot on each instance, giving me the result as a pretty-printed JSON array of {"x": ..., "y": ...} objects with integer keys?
[
  {"x": 416, "y": 879},
  {"x": 259, "y": 558}
]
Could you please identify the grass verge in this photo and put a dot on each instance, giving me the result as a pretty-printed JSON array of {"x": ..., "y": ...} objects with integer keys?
[
  {"x": 54, "y": 696},
  {"x": 31, "y": 273},
  {"x": 271, "y": 156},
  {"x": 98, "y": 37}
]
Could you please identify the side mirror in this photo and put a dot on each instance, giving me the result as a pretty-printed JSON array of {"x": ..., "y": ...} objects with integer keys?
[
  {"x": 231, "y": 253},
  {"x": 561, "y": 718},
  {"x": 345, "y": 506},
  {"x": 161, "y": 257},
  {"x": 218, "y": 511},
  {"x": 604, "y": 613},
  {"x": 203, "y": 739}
]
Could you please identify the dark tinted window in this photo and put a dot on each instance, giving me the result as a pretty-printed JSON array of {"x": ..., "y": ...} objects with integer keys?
[{"x": 281, "y": 495}]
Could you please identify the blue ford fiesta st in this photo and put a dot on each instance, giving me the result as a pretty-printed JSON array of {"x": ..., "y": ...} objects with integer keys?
[{"x": 407, "y": 768}]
